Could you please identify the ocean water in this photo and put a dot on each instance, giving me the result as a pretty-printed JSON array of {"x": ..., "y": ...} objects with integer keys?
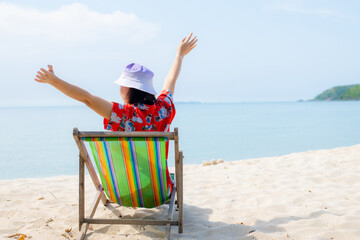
[{"x": 38, "y": 141}]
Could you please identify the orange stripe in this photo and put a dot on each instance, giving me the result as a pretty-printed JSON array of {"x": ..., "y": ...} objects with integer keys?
[
  {"x": 130, "y": 175},
  {"x": 104, "y": 169}
]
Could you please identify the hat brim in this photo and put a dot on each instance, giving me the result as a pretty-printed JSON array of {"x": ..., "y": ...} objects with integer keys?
[{"x": 135, "y": 83}]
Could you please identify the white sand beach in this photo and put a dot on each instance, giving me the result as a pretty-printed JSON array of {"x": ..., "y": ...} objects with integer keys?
[{"x": 309, "y": 195}]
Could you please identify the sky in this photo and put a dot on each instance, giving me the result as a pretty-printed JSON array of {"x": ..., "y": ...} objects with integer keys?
[{"x": 248, "y": 51}]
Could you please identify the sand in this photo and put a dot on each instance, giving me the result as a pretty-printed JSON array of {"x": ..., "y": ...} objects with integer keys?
[{"x": 309, "y": 195}]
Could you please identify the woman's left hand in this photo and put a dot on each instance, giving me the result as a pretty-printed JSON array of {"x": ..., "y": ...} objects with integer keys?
[{"x": 186, "y": 45}]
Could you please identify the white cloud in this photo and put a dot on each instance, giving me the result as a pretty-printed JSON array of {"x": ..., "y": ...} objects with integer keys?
[
  {"x": 296, "y": 6},
  {"x": 73, "y": 23}
]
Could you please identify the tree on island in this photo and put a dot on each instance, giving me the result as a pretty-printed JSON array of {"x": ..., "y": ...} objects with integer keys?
[{"x": 340, "y": 93}]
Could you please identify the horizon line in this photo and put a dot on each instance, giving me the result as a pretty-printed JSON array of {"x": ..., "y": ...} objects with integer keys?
[{"x": 179, "y": 102}]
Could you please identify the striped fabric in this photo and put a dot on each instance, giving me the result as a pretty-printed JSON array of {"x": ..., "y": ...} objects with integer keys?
[{"x": 132, "y": 170}]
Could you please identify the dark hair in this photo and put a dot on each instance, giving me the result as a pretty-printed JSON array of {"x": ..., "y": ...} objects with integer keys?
[{"x": 135, "y": 96}]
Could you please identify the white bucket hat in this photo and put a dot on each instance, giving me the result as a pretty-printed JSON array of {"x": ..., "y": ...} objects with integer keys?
[{"x": 137, "y": 76}]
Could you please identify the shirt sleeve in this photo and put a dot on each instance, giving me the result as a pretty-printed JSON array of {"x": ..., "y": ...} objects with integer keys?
[
  {"x": 166, "y": 99},
  {"x": 115, "y": 122}
]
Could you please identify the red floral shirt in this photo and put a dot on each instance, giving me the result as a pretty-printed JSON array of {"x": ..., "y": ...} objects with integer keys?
[{"x": 142, "y": 117}]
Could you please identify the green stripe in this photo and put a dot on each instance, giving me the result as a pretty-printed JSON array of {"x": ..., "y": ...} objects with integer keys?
[
  {"x": 163, "y": 165},
  {"x": 120, "y": 172}
]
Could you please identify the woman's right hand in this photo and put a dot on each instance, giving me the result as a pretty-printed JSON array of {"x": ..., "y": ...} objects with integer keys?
[
  {"x": 44, "y": 76},
  {"x": 186, "y": 45},
  {"x": 99, "y": 105}
]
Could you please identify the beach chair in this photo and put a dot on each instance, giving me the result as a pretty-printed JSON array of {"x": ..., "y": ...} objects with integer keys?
[{"x": 132, "y": 173}]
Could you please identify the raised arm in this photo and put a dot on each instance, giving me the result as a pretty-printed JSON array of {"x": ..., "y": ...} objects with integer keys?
[
  {"x": 99, "y": 105},
  {"x": 186, "y": 45}
]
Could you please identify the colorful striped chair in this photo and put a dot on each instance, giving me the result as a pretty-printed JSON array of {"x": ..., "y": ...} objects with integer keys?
[{"x": 132, "y": 171}]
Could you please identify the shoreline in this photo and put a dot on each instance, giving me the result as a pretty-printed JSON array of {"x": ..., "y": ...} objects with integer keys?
[
  {"x": 306, "y": 195},
  {"x": 190, "y": 164}
]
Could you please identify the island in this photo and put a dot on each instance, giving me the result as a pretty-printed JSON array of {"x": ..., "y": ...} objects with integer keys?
[{"x": 340, "y": 93}]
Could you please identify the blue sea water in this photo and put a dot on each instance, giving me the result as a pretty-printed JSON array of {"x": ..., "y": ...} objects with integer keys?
[{"x": 38, "y": 141}]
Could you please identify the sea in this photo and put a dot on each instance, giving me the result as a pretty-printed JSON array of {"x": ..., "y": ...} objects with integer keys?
[{"x": 37, "y": 141}]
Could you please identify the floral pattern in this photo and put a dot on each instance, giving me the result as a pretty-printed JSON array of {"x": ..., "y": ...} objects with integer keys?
[{"x": 142, "y": 117}]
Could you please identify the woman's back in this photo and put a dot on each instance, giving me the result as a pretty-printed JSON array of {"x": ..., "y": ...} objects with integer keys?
[{"x": 142, "y": 117}]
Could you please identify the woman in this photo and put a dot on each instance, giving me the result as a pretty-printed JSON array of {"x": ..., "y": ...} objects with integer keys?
[{"x": 141, "y": 111}]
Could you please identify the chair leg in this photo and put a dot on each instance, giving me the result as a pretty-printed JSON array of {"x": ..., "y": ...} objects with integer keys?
[
  {"x": 81, "y": 192},
  {"x": 85, "y": 227},
  {"x": 180, "y": 193},
  {"x": 170, "y": 213},
  {"x": 167, "y": 231},
  {"x": 83, "y": 231}
]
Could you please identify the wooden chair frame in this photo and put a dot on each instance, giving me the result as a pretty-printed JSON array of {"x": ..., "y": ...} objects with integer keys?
[{"x": 84, "y": 160}]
